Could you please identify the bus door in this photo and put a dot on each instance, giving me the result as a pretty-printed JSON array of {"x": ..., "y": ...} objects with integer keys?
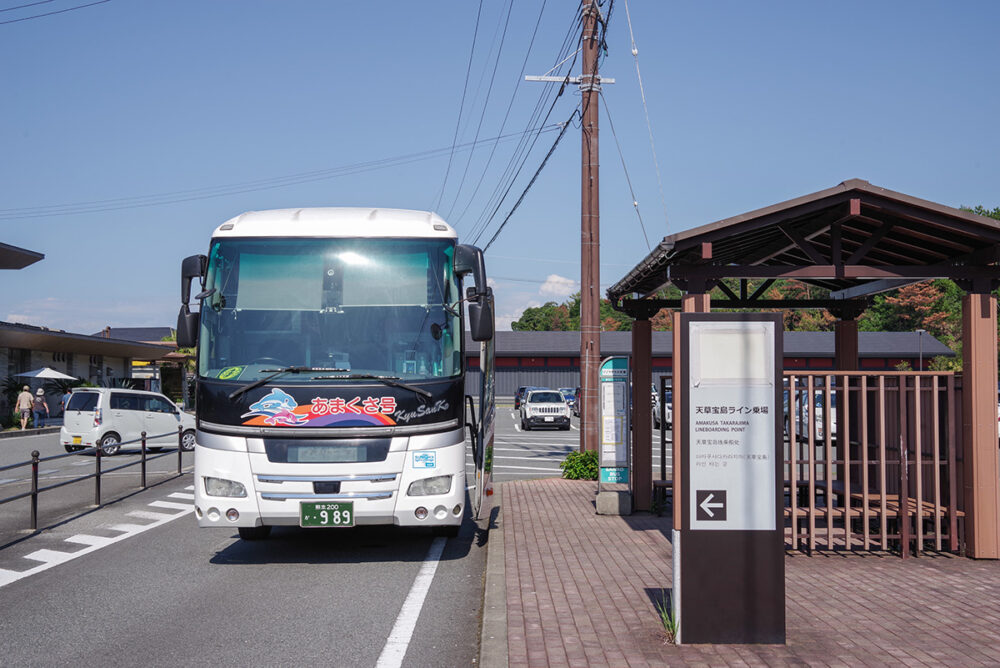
[{"x": 483, "y": 452}]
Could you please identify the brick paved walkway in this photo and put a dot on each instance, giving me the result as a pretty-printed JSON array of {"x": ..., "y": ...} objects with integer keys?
[{"x": 580, "y": 591}]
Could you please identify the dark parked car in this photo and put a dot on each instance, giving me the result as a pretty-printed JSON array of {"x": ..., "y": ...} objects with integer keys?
[
  {"x": 521, "y": 391},
  {"x": 544, "y": 408}
]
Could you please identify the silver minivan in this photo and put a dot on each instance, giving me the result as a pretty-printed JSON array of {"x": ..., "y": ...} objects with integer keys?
[{"x": 108, "y": 417}]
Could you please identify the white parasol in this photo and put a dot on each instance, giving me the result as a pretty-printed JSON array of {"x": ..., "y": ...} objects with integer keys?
[{"x": 45, "y": 372}]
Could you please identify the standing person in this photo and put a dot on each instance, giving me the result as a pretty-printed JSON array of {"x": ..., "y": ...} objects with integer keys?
[
  {"x": 64, "y": 404},
  {"x": 38, "y": 407},
  {"x": 23, "y": 406}
]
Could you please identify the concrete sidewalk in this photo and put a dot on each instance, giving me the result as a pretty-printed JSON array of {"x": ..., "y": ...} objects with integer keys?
[{"x": 567, "y": 587}]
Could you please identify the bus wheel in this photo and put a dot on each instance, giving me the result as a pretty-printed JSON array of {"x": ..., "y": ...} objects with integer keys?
[{"x": 254, "y": 533}]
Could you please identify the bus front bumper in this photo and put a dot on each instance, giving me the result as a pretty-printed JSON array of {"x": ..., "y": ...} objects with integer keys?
[{"x": 275, "y": 497}]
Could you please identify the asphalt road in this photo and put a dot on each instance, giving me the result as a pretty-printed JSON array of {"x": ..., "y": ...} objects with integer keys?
[
  {"x": 536, "y": 453},
  {"x": 137, "y": 582}
]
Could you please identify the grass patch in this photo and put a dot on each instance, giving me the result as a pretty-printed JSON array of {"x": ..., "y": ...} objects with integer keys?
[{"x": 664, "y": 609}]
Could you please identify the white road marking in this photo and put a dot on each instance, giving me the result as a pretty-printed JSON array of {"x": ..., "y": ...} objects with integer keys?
[
  {"x": 51, "y": 558},
  {"x": 182, "y": 495},
  {"x": 87, "y": 539},
  {"x": 402, "y": 631},
  {"x": 147, "y": 515},
  {"x": 528, "y": 459},
  {"x": 172, "y": 505},
  {"x": 526, "y": 468},
  {"x": 128, "y": 528}
]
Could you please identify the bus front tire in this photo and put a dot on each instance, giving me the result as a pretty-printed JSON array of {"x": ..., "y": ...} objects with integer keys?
[{"x": 254, "y": 533}]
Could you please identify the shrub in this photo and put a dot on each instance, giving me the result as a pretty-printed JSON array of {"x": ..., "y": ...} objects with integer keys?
[{"x": 580, "y": 465}]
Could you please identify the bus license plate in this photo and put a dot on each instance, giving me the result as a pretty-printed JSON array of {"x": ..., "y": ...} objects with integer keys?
[{"x": 327, "y": 514}]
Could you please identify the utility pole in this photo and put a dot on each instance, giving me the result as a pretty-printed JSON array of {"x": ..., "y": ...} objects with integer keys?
[
  {"x": 590, "y": 234},
  {"x": 590, "y": 219}
]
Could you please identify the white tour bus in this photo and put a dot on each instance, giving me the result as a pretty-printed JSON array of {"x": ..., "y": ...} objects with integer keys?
[{"x": 331, "y": 371}]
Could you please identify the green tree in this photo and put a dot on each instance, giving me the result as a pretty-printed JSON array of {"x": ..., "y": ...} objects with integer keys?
[{"x": 565, "y": 317}]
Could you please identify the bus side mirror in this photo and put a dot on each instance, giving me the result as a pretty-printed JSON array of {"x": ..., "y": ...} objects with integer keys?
[
  {"x": 481, "y": 317},
  {"x": 187, "y": 323},
  {"x": 192, "y": 267}
]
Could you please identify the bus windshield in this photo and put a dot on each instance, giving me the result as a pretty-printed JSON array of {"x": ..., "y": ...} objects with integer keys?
[{"x": 386, "y": 307}]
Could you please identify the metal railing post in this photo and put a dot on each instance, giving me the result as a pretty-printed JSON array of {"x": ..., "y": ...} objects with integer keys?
[
  {"x": 34, "y": 490},
  {"x": 97, "y": 474},
  {"x": 143, "y": 466},
  {"x": 180, "y": 451}
]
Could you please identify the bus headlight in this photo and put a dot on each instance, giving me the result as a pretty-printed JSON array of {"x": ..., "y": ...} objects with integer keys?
[
  {"x": 221, "y": 487},
  {"x": 428, "y": 486}
]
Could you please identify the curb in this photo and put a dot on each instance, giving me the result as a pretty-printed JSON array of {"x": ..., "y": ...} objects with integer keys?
[
  {"x": 29, "y": 432},
  {"x": 493, "y": 637}
]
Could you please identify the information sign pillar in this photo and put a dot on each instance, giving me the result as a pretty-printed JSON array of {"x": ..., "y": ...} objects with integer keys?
[
  {"x": 614, "y": 396},
  {"x": 729, "y": 549}
]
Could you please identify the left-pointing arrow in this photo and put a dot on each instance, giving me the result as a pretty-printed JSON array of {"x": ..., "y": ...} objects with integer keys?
[{"x": 707, "y": 506}]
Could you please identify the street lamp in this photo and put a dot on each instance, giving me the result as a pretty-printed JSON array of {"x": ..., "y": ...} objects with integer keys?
[{"x": 920, "y": 338}]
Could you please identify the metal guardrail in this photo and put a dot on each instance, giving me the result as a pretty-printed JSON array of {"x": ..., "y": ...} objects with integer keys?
[{"x": 96, "y": 475}]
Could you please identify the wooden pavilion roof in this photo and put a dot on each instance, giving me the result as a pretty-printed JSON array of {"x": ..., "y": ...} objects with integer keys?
[{"x": 855, "y": 239}]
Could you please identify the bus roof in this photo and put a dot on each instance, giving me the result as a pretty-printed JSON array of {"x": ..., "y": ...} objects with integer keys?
[{"x": 337, "y": 222}]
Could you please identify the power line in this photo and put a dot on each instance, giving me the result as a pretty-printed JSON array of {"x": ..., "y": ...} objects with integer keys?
[
  {"x": 649, "y": 126},
  {"x": 506, "y": 115},
  {"x": 461, "y": 107},
  {"x": 60, "y": 11},
  {"x": 486, "y": 103},
  {"x": 523, "y": 149},
  {"x": 482, "y": 228},
  {"x": 531, "y": 182},
  {"x": 635, "y": 202},
  {"x": 116, "y": 204},
  {"x": 30, "y": 4}
]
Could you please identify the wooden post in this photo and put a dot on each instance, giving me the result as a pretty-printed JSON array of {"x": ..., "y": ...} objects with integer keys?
[
  {"x": 642, "y": 426},
  {"x": 979, "y": 424}
]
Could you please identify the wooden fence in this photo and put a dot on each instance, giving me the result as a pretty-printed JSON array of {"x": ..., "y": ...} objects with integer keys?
[{"x": 873, "y": 461}]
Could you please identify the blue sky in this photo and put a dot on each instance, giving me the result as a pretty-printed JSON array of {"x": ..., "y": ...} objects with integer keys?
[{"x": 222, "y": 107}]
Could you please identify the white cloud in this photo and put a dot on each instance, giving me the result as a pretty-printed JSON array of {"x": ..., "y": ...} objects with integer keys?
[{"x": 558, "y": 286}]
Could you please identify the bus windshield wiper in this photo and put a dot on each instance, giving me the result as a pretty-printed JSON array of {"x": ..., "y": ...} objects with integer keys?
[
  {"x": 392, "y": 381},
  {"x": 277, "y": 372}
]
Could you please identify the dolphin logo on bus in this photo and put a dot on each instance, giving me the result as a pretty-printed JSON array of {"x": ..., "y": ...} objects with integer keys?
[{"x": 277, "y": 408}]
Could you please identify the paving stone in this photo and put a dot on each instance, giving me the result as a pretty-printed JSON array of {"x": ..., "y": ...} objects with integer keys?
[{"x": 579, "y": 589}]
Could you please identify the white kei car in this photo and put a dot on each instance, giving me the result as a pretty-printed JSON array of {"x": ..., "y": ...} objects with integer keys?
[{"x": 108, "y": 417}]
